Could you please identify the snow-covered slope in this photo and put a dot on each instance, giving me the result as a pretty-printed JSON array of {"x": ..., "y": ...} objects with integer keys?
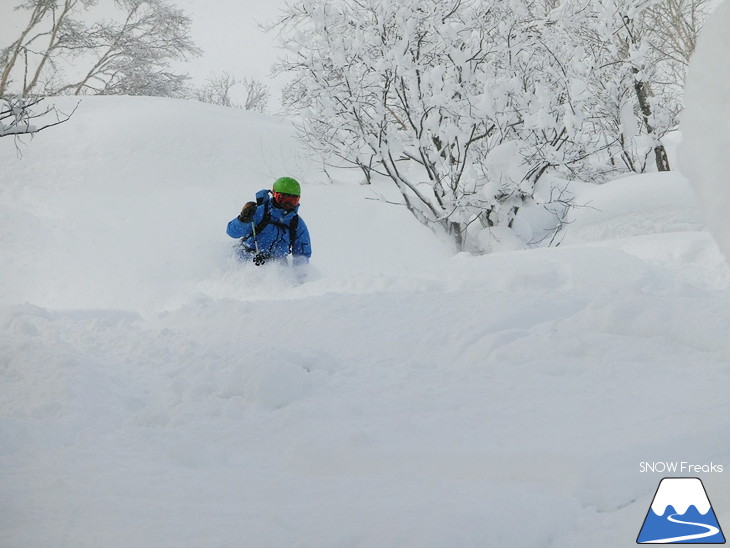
[
  {"x": 705, "y": 122},
  {"x": 155, "y": 392}
]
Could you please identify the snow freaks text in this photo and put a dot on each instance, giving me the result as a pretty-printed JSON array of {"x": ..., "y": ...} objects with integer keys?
[{"x": 662, "y": 467}]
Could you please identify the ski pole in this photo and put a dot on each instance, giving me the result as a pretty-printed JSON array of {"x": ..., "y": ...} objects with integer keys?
[
  {"x": 255, "y": 242},
  {"x": 259, "y": 258}
]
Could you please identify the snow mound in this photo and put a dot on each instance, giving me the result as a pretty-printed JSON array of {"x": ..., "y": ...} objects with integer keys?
[
  {"x": 706, "y": 140},
  {"x": 154, "y": 391}
]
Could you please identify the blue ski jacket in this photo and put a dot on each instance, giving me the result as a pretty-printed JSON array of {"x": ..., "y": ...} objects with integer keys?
[{"x": 273, "y": 231}]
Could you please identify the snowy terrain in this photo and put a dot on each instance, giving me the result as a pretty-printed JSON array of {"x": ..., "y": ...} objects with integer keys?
[{"x": 155, "y": 392}]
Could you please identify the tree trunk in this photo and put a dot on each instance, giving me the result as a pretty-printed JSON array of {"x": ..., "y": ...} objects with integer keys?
[
  {"x": 38, "y": 13},
  {"x": 642, "y": 95},
  {"x": 457, "y": 233},
  {"x": 662, "y": 161}
]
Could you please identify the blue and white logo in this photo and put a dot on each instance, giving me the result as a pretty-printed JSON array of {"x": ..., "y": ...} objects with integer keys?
[{"x": 681, "y": 513}]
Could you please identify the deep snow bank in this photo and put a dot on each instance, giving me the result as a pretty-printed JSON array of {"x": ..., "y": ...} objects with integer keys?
[
  {"x": 155, "y": 392},
  {"x": 705, "y": 149},
  {"x": 125, "y": 206},
  {"x": 129, "y": 191}
]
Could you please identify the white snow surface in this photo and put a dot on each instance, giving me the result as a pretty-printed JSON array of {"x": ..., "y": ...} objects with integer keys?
[
  {"x": 156, "y": 392},
  {"x": 705, "y": 150}
]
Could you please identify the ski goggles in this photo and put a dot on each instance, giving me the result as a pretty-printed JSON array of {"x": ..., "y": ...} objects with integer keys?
[{"x": 287, "y": 201}]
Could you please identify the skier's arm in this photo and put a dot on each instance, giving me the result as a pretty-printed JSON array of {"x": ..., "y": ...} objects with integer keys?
[
  {"x": 241, "y": 225},
  {"x": 237, "y": 229},
  {"x": 301, "y": 252},
  {"x": 302, "y": 248}
]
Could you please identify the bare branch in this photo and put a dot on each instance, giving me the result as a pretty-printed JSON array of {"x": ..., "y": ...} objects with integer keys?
[{"x": 19, "y": 116}]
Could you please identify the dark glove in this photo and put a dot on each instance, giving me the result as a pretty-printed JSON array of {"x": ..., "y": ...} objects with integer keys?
[{"x": 247, "y": 212}]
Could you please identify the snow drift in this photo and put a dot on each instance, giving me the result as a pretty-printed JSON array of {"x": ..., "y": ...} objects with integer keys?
[
  {"x": 156, "y": 392},
  {"x": 705, "y": 122}
]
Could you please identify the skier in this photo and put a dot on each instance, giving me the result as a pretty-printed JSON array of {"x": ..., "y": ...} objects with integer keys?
[{"x": 270, "y": 228}]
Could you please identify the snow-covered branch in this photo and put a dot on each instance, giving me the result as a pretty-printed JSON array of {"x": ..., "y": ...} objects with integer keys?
[
  {"x": 24, "y": 116},
  {"x": 467, "y": 105}
]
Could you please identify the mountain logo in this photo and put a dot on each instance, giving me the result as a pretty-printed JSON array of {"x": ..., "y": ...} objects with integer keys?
[{"x": 680, "y": 513}]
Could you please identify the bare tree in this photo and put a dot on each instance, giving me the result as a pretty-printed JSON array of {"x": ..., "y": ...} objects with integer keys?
[
  {"x": 257, "y": 95},
  {"x": 133, "y": 56},
  {"x": 49, "y": 25},
  {"x": 130, "y": 57},
  {"x": 675, "y": 25},
  {"x": 217, "y": 90}
]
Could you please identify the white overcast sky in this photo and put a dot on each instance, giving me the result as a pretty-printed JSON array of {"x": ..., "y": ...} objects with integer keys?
[{"x": 227, "y": 31}]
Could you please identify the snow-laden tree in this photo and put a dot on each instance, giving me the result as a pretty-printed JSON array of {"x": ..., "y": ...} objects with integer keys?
[
  {"x": 674, "y": 26},
  {"x": 624, "y": 70},
  {"x": 637, "y": 52},
  {"x": 457, "y": 102},
  {"x": 130, "y": 54},
  {"x": 467, "y": 104}
]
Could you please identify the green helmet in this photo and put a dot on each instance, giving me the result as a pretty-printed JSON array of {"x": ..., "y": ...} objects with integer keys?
[{"x": 287, "y": 185}]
